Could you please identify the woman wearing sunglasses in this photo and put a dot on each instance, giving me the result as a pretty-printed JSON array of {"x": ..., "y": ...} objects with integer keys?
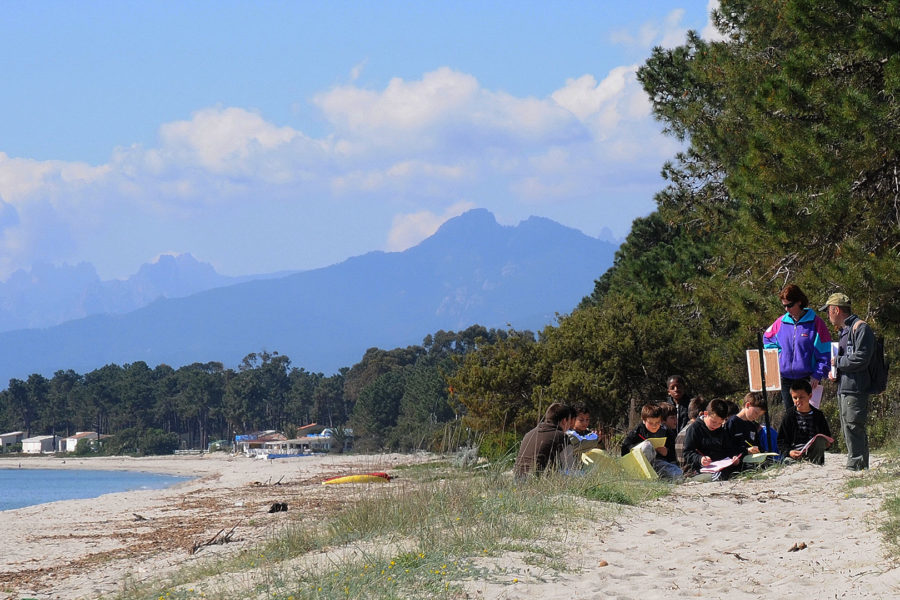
[{"x": 803, "y": 342}]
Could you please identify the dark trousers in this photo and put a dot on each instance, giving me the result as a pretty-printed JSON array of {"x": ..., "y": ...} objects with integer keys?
[
  {"x": 816, "y": 452},
  {"x": 854, "y": 412}
]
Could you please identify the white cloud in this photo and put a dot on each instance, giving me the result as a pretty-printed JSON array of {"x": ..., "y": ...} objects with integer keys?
[
  {"x": 413, "y": 143},
  {"x": 668, "y": 33},
  {"x": 221, "y": 140},
  {"x": 22, "y": 179},
  {"x": 357, "y": 70},
  {"x": 446, "y": 112},
  {"x": 409, "y": 229},
  {"x": 709, "y": 31}
]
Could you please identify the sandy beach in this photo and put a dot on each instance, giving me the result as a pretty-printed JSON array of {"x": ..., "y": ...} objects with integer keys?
[
  {"x": 712, "y": 540},
  {"x": 81, "y": 549}
]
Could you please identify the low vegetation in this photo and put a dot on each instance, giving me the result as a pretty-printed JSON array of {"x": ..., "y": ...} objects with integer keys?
[{"x": 436, "y": 527}]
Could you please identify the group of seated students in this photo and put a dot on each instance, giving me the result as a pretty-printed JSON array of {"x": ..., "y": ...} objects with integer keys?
[{"x": 683, "y": 438}]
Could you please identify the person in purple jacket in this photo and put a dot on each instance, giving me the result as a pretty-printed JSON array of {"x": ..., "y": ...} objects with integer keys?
[{"x": 803, "y": 342}]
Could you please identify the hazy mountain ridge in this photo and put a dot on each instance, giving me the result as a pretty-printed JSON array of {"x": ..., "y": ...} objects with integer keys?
[
  {"x": 48, "y": 295},
  {"x": 472, "y": 270}
]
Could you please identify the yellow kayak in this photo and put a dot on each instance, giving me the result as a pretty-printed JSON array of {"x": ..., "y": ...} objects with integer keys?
[{"x": 363, "y": 478}]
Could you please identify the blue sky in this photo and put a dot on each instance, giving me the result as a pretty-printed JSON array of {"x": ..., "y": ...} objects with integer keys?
[{"x": 262, "y": 136}]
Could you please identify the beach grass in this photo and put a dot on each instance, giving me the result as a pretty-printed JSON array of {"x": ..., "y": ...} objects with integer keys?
[
  {"x": 884, "y": 478},
  {"x": 426, "y": 534}
]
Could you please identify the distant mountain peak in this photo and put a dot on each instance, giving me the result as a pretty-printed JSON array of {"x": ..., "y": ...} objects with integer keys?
[{"x": 472, "y": 270}]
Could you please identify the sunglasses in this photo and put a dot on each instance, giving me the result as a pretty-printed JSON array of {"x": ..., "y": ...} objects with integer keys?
[{"x": 788, "y": 306}]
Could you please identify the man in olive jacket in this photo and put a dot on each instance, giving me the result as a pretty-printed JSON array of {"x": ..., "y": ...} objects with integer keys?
[
  {"x": 857, "y": 346},
  {"x": 541, "y": 447}
]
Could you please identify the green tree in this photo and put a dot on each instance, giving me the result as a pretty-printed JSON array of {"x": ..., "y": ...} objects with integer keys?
[{"x": 376, "y": 411}]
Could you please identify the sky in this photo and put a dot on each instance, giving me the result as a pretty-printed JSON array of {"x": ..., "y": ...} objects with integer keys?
[{"x": 266, "y": 136}]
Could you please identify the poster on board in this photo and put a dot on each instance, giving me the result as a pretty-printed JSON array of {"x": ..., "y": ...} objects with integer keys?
[{"x": 773, "y": 375}]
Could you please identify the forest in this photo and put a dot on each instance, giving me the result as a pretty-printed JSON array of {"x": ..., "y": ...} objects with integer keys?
[
  {"x": 789, "y": 173},
  {"x": 394, "y": 399}
]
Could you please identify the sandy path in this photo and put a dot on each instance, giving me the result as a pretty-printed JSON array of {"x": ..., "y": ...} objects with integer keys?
[
  {"x": 707, "y": 540},
  {"x": 732, "y": 540}
]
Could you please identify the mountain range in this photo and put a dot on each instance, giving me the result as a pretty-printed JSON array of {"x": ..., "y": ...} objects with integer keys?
[
  {"x": 47, "y": 295},
  {"x": 472, "y": 270}
]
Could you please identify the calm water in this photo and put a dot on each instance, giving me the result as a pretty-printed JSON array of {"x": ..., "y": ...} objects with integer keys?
[{"x": 26, "y": 487}]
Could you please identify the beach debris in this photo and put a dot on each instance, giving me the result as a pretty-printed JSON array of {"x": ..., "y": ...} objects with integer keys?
[
  {"x": 278, "y": 507},
  {"x": 797, "y": 546},
  {"x": 266, "y": 484},
  {"x": 736, "y": 555},
  {"x": 138, "y": 517},
  {"x": 602, "y": 563},
  {"x": 216, "y": 539}
]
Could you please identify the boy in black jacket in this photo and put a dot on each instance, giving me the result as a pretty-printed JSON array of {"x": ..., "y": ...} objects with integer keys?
[
  {"x": 743, "y": 428},
  {"x": 802, "y": 423},
  {"x": 707, "y": 441},
  {"x": 663, "y": 457}
]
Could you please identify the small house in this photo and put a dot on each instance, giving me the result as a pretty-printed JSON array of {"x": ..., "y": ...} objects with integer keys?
[
  {"x": 69, "y": 444},
  {"x": 41, "y": 444},
  {"x": 8, "y": 440},
  {"x": 254, "y": 444}
]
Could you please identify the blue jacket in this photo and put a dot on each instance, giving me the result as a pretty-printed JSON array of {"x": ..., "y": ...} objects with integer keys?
[{"x": 804, "y": 345}]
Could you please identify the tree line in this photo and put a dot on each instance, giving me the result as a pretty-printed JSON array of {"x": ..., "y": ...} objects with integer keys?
[
  {"x": 790, "y": 173},
  {"x": 393, "y": 399}
]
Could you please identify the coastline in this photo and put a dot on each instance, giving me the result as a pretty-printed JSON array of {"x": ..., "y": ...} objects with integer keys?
[
  {"x": 734, "y": 539},
  {"x": 86, "y": 548}
]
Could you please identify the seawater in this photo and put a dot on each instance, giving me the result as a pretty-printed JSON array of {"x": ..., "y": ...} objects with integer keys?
[{"x": 27, "y": 487}]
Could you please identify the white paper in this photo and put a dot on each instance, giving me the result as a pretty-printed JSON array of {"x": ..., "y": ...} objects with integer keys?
[
  {"x": 835, "y": 349},
  {"x": 816, "y": 398}
]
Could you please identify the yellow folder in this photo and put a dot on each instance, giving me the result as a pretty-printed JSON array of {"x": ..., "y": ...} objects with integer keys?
[{"x": 637, "y": 465}]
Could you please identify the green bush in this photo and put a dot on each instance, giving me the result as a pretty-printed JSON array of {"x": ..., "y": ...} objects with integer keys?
[{"x": 495, "y": 446}]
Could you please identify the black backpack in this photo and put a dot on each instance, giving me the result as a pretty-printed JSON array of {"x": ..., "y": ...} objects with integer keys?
[{"x": 878, "y": 365}]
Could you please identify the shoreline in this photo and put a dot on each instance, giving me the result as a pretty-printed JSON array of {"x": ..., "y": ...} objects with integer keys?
[
  {"x": 87, "y": 548},
  {"x": 733, "y": 539}
]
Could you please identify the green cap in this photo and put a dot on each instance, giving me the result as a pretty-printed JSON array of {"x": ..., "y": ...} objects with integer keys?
[{"x": 837, "y": 299}]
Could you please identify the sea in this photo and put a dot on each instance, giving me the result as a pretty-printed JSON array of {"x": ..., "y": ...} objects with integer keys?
[{"x": 27, "y": 487}]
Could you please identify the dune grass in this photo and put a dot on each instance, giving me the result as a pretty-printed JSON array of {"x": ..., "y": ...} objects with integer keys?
[
  {"x": 431, "y": 530},
  {"x": 885, "y": 477}
]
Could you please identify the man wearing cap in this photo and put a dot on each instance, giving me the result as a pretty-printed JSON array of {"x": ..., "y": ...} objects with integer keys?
[{"x": 856, "y": 347}]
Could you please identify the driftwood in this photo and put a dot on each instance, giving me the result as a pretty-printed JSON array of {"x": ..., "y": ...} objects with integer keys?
[
  {"x": 214, "y": 540},
  {"x": 267, "y": 483}
]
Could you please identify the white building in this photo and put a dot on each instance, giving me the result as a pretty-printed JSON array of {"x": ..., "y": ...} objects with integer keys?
[
  {"x": 39, "y": 444},
  {"x": 69, "y": 444},
  {"x": 10, "y": 439}
]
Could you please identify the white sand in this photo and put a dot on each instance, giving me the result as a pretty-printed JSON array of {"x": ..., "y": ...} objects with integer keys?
[
  {"x": 710, "y": 540},
  {"x": 77, "y": 549},
  {"x": 732, "y": 540}
]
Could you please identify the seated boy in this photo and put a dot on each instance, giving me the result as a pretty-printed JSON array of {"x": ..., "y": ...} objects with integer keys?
[
  {"x": 581, "y": 438},
  {"x": 542, "y": 446},
  {"x": 669, "y": 416},
  {"x": 743, "y": 428},
  {"x": 663, "y": 457},
  {"x": 696, "y": 407},
  {"x": 801, "y": 423},
  {"x": 706, "y": 441}
]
